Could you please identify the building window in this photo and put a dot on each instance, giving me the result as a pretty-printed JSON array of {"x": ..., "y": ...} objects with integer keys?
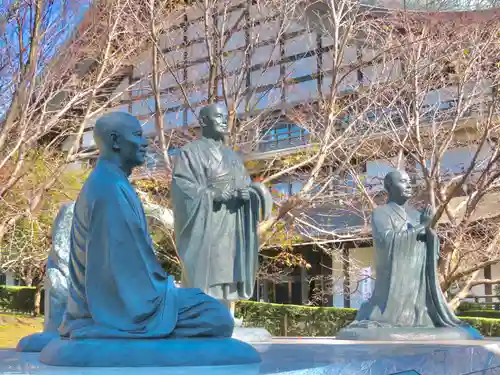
[
  {"x": 154, "y": 161},
  {"x": 283, "y": 135}
]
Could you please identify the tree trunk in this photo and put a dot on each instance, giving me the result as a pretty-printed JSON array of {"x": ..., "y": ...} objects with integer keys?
[
  {"x": 37, "y": 300},
  {"x": 464, "y": 291}
]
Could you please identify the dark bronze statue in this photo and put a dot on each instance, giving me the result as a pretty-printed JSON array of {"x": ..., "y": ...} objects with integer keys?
[
  {"x": 118, "y": 291},
  {"x": 407, "y": 292},
  {"x": 217, "y": 209}
]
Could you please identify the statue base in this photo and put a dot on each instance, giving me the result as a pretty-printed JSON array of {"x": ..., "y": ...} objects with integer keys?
[
  {"x": 374, "y": 332},
  {"x": 249, "y": 334},
  {"x": 36, "y": 342},
  {"x": 148, "y": 352}
]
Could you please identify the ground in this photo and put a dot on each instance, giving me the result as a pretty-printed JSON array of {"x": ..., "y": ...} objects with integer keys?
[{"x": 15, "y": 327}]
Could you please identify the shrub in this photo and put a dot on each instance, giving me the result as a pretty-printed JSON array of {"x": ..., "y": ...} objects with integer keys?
[
  {"x": 292, "y": 320},
  {"x": 19, "y": 299},
  {"x": 488, "y": 327},
  {"x": 492, "y": 314},
  {"x": 468, "y": 306}
]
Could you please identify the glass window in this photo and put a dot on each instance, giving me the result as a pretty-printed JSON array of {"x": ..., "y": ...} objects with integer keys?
[
  {"x": 326, "y": 40},
  {"x": 265, "y": 77},
  {"x": 263, "y": 54},
  {"x": 283, "y": 135},
  {"x": 198, "y": 72},
  {"x": 231, "y": 19},
  {"x": 296, "y": 26},
  {"x": 143, "y": 68},
  {"x": 257, "y": 11},
  {"x": 265, "y": 31},
  {"x": 196, "y": 30},
  {"x": 349, "y": 82},
  {"x": 285, "y": 189},
  {"x": 172, "y": 38},
  {"x": 197, "y": 94},
  {"x": 143, "y": 107},
  {"x": 302, "y": 91},
  {"x": 233, "y": 61},
  {"x": 236, "y": 40},
  {"x": 173, "y": 119},
  {"x": 264, "y": 100},
  {"x": 302, "y": 67},
  {"x": 88, "y": 139},
  {"x": 197, "y": 51},
  {"x": 148, "y": 125},
  {"x": 191, "y": 117},
  {"x": 326, "y": 85},
  {"x": 300, "y": 44},
  {"x": 175, "y": 59},
  {"x": 326, "y": 61},
  {"x": 195, "y": 11},
  {"x": 168, "y": 80},
  {"x": 380, "y": 73}
]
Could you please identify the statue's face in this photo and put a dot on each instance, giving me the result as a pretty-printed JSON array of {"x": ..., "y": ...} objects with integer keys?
[
  {"x": 216, "y": 121},
  {"x": 131, "y": 143},
  {"x": 401, "y": 186}
]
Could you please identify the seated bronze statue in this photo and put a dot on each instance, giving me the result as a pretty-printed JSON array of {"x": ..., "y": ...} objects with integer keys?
[{"x": 118, "y": 290}]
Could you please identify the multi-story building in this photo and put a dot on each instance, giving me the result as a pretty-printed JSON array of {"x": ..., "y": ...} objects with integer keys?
[{"x": 274, "y": 62}]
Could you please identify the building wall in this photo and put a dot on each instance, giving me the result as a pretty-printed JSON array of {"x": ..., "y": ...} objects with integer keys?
[
  {"x": 482, "y": 290},
  {"x": 303, "y": 57},
  {"x": 360, "y": 259}
]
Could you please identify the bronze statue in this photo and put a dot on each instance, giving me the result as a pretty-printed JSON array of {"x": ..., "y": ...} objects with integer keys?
[
  {"x": 119, "y": 294},
  {"x": 217, "y": 209},
  {"x": 407, "y": 294}
]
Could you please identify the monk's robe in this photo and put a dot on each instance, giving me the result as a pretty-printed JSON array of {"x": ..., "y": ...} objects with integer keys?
[
  {"x": 118, "y": 288},
  {"x": 407, "y": 291},
  {"x": 217, "y": 242}
]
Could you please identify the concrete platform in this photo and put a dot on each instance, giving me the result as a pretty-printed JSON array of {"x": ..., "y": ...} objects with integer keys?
[{"x": 312, "y": 356}]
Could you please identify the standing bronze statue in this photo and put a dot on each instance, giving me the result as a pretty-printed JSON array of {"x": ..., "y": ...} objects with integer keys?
[
  {"x": 407, "y": 301},
  {"x": 216, "y": 210}
]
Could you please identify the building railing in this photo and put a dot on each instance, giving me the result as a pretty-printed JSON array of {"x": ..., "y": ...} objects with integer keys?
[
  {"x": 376, "y": 122},
  {"x": 489, "y": 302}
]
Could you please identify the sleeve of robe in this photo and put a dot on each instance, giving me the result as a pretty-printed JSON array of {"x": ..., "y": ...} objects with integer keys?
[
  {"x": 442, "y": 315},
  {"x": 192, "y": 202},
  {"x": 125, "y": 285}
]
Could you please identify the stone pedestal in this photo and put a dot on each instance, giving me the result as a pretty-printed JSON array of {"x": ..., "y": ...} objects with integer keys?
[
  {"x": 286, "y": 356},
  {"x": 252, "y": 335},
  {"x": 368, "y": 331},
  {"x": 148, "y": 352},
  {"x": 36, "y": 342}
]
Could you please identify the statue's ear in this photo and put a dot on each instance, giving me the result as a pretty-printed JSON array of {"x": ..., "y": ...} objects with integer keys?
[
  {"x": 203, "y": 121},
  {"x": 115, "y": 141}
]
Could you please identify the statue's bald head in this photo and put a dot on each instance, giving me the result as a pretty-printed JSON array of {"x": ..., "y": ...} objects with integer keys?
[
  {"x": 208, "y": 110},
  {"x": 109, "y": 124},
  {"x": 213, "y": 119},
  {"x": 119, "y": 135},
  {"x": 398, "y": 185}
]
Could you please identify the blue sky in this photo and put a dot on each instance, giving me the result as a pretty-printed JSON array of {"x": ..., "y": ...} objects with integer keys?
[{"x": 59, "y": 19}]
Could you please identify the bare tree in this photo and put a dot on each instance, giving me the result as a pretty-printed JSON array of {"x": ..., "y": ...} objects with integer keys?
[
  {"x": 57, "y": 76},
  {"x": 440, "y": 120},
  {"x": 254, "y": 58}
]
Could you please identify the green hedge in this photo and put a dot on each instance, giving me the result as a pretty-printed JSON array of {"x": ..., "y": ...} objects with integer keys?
[
  {"x": 488, "y": 327},
  {"x": 292, "y": 320},
  {"x": 19, "y": 299},
  {"x": 279, "y": 320},
  {"x": 492, "y": 314}
]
